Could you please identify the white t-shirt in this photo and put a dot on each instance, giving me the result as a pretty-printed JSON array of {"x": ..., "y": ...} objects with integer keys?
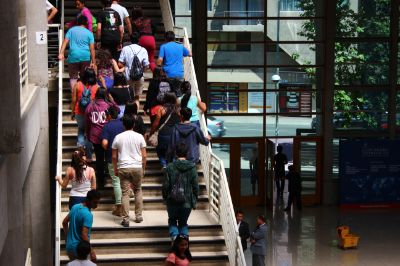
[
  {"x": 48, "y": 5},
  {"x": 123, "y": 13},
  {"x": 81, "y": 263},
  {"x": 127, "y": 54},
  {"x": 129, "y": 145}
]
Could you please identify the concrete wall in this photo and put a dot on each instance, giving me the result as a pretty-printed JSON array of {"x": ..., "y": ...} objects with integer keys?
[{"x": 25, "y": 218}]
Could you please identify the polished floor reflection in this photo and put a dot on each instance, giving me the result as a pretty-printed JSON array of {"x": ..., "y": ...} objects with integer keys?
[{"x": 309, "y": 237}]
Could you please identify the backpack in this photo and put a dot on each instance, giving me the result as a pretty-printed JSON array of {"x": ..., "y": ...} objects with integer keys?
[
  {"x": 143, "y": 25},
  {"x": 94, "y": 24},
  {"x": 85, "y": 99},
  {"x": 136, "y": 71},
  {"x": 177, "y": 194},
  {"x": 163, "y": 88}
]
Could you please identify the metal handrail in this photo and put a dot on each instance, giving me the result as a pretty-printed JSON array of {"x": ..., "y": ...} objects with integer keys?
[
  {"x": 220, "y": 202},
  {"x": 59, "y": 155}
]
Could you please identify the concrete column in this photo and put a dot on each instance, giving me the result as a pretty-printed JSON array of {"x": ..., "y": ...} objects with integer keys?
[{"x": 36, "y": 20}]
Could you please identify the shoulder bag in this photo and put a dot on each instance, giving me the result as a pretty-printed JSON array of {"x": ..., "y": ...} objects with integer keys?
[{"x": 153, "y": 139}]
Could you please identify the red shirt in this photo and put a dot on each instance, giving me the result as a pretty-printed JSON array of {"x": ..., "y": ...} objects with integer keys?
[{"x": 79, "y": 91}]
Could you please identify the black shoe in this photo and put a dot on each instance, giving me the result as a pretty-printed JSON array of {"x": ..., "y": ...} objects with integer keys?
[{"x": 125, "y": 223}]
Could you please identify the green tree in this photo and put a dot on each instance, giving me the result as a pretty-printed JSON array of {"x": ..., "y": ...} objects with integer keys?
[{"x": 356, "y": 63}]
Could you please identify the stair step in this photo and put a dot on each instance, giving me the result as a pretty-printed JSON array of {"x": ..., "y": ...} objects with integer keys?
[{"x": 201, "y": 258}]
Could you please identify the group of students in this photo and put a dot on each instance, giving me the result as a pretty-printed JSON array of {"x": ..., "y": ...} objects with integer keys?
[{"x": 106, "y": 81}]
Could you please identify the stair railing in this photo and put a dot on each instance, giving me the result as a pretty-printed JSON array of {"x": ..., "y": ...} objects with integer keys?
[
  {"x": 59, "y": 155},
  {"x": 219, "y": 196}
]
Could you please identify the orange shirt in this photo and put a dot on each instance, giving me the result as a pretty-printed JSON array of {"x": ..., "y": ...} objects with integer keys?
[{"x": 79, "y": 91}]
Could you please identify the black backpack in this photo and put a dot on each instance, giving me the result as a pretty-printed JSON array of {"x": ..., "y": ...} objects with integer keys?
[
  {"x": 136, "y": 71},
  {"x": 178, "y": 190}
]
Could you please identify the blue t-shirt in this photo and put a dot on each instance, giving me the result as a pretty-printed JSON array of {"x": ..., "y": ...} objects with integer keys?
[
  {"x": 80, "y": 39},
  {"x": 192, "y": 105},
  {"x": 110, "y": 130},
  {"x": 79, "y": 217},
  {"x": 172, "y": 54}
]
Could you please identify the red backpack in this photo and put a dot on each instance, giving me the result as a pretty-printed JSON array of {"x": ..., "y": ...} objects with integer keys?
[{"x": 143, "y": 25}]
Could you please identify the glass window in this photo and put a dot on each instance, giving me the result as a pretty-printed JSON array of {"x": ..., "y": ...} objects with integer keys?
[
  {"x": 247, "y": 78},
  {"x": 363, "y": 18},
  {"x": 295, "y": 54},
  {"x": 361, "y": 63},
  {"x": 232, "y": 101},
  {"x": 285, "y": 125},
  {"x": 295, "y": 8},
  {"x": 236, "y": 8},
  {"x": 236, "y": 126},
  {"x": 290, "y": 5},
  {"x": 293, "y": 101},
  {"x": 295, "y": 30},
  {"x": 236, "y": 25},
  {"x": 311, "y": 76},
  {"x": 249, "y": 170},
  {"x": 235, "y": 54}
]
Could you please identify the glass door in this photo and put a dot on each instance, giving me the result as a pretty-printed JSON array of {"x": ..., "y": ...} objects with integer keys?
[
  {"x": 269, "y": 173},
  {"x": 307, "y": 161}
]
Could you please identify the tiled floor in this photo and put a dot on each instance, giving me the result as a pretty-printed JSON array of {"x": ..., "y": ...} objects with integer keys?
[{"x": 309, "y": 237}]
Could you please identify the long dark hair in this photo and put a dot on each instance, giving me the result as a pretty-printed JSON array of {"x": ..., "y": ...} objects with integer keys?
[
  {"x": 137, "y": 12},
  {"x": 120, "y": 79},
  {"x": 159, "y": 74},
  {"x": 170, "y": 102},
  {"x": 131, "y": 109},
  {"x": 78, "y": 163},
  {"x": 103, "y": 59},
  {"x": 175, "y": 247},
  {"x": 187, "y": 92},
  {"x": 88, "y": 77}
]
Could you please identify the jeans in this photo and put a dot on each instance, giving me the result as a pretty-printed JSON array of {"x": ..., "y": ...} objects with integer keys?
[
  {"x": 116, "y": 184},
  {"x": 80, "y": 120},
  {"x": 131, "y": 176},
  {"x": 177, "y": 220},
  {"x": 100, "y": 165},
  {"x": 162, "y": 148},
  {"x": 75, "y": 200},
  {"x": 258, "y": 260}
]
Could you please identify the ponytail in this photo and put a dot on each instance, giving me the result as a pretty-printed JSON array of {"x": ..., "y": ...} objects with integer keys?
[{"x": 186, "y": 90}]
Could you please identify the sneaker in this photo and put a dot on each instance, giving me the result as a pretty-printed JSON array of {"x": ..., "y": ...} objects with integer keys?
[
  {"x": 138, "y": 219},
  {"x": 125, "y": 223}
]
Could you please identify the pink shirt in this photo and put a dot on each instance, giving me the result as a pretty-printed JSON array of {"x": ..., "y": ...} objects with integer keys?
[
  {"x": 85, "y": 12},
  {"x": 176, "y": 260}
]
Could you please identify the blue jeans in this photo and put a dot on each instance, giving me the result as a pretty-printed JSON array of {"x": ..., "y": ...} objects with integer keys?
[
  {"x": 177, "y": 220},
  {"x": 162, "y": 148},
  {"x": 80, "y": 120},
  {"x": 75, "y": 200}
]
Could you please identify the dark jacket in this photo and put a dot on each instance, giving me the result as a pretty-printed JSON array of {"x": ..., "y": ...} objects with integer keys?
[
  {"x": 192, "y": 136},
  {"x": 151, "y": 96},
  {"x": 189, "y": 177},
  {"x": 294, "y": 182},
  {"x": 244, "y": 233}
]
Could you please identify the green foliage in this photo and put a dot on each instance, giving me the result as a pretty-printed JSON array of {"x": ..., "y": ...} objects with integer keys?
[{"x": 356, "y": 63}]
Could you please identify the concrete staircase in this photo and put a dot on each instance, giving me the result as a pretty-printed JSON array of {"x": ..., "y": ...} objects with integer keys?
[{"x": 146, "y": 243}]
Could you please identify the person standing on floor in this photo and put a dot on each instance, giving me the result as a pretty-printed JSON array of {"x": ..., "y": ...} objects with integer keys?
[
  {"x": 82, "y": 177},
  {"x": 110, "y": 130},
  {"x": 190, "y": 134},
  {"x": 126, "y": 59},
  {"x": 243, "y": 227},
  {"x": 95, "y": 119},
  {"x": 146, "y": 29},
  {"x": 81, "y": 50},
  {"x": 78, "y": 224},
  {"x": 82, "y": 252},
  {"x": 280, "y": 160},
  {"x": 124, "y": 15},
  {"x": 109, "y": 29},
  {"x": 258, "y": 242},
  {"x": 170, "y": 59},
  {"x": 294, "y": 188},
  {"x": 180, "y": 192},
  {"x": 180, "y": 253},
  {"x": 129, "y": 161}
]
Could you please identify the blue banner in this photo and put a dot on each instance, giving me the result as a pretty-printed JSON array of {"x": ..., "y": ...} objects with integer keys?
[{"x": 369, "y": 172}]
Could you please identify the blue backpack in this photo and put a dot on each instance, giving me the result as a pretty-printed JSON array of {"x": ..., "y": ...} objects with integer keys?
[{"x": 85, "y": 99}]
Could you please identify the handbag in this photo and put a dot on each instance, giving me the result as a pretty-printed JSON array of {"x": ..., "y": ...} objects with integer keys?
[{"x": 153, "y": 139}]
